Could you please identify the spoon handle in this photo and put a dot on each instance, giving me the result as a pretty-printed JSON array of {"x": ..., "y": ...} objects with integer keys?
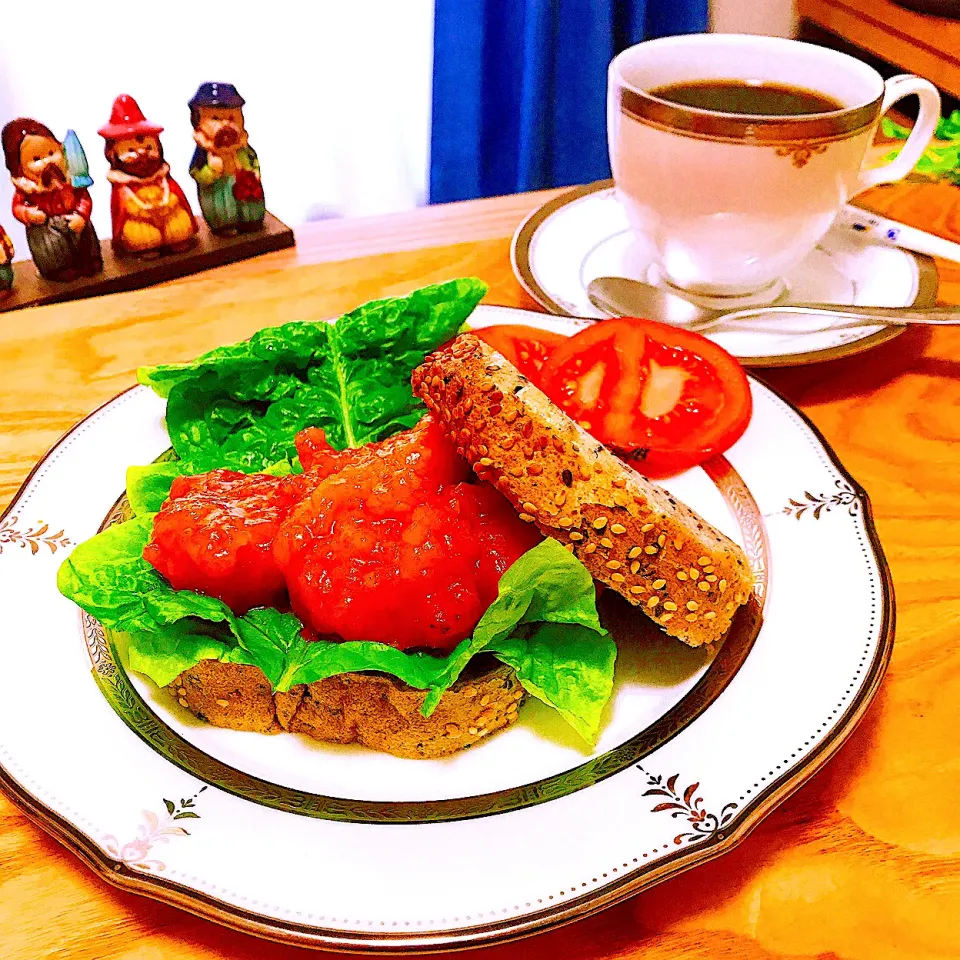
[{"x": 896, "y": 316}]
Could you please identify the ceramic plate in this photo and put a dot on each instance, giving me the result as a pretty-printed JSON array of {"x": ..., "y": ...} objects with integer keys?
[
  {"x": 341, "y": 847},
  {"x": 584, "y": 234}
]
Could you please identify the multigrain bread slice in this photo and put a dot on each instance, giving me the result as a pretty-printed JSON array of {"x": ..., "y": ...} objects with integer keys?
[
  {"x": 631, "y": 534},
  {"x": 375, "y": 710}
]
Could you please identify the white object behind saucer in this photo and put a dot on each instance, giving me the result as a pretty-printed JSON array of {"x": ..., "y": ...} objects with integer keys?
[{"x": 584, "y": 234}]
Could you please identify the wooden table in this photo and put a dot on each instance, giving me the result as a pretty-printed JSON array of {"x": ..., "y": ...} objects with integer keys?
[{"x": 863, "y": 863}]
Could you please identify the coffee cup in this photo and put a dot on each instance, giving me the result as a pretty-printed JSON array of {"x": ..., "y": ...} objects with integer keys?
[{"x": 730, "y": 200}]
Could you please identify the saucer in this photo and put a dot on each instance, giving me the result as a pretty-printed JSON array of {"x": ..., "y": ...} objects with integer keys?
[{"x": 583, "y": 234}]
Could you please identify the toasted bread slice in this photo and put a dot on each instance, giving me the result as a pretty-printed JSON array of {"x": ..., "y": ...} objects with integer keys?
[
  {"x": 631, "y": 534},
  {"x": 375, "y": 710}
]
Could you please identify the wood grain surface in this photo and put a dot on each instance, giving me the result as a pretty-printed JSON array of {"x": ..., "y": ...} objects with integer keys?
[{"x": 862, "y": 863}]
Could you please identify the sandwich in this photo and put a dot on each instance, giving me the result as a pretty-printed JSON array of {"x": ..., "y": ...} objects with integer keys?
[{"x": 378, "y": 531}]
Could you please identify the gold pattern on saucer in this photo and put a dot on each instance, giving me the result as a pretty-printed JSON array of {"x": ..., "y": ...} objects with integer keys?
[{"x": 801, "y": 153}]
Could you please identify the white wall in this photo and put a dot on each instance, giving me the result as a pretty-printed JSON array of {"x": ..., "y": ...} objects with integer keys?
[
  {"x": 338, "y": 92},
  {"x": 776, "y": 18}
]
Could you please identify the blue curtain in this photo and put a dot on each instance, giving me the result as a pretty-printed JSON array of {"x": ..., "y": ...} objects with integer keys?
[{"x": 519, "y": 88}]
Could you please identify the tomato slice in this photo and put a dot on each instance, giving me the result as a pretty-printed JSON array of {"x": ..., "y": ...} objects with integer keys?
[
  {"x": 527, "y": 348},
  {"x": 662, "y": 398}
]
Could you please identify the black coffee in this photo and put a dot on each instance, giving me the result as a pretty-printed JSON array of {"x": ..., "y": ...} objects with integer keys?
[{"x": 752, "y": 99}]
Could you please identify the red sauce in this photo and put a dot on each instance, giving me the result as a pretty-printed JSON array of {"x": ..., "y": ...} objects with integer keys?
[
  {"x": 387, "y": 542},
  {"x": 215, "y": 535}
]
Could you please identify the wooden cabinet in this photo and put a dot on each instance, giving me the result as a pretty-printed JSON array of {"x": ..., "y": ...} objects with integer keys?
[{"x": 925, "y": 45}]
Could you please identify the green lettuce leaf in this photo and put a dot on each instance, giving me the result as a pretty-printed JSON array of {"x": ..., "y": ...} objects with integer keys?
[
  {"x": 546, "y": 585},
  {"x": 240, "y": 406},
  {"x": 163, "y": 654},
  {"x": 108, "y": 577},
  {"x": 567, "y": 666},
  {"x": 149, "y": 486}
]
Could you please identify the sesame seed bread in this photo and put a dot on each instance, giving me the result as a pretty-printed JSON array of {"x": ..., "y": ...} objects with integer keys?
[
  {"x": 631, "y": 534},
  {"x": 375, "y": 710}
]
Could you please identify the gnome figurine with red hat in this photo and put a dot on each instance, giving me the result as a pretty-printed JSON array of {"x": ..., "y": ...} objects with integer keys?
[{"x": 150, "y": 212}]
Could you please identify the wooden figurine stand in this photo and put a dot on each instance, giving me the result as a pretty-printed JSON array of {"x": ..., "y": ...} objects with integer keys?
[{"x": 134, "y": 273}]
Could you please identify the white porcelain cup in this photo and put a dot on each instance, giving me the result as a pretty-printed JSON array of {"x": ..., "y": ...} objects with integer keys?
[{"x": 730, "y": 202}]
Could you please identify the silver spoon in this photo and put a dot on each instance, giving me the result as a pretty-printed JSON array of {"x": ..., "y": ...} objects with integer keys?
[{"x": 622, "y": 297}]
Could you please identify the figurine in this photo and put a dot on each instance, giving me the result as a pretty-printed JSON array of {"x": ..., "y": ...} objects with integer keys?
[
  {"x": 6, "y": 263},
  {"x": 149, "y": 210},
  {"x": 224, "y": 165},
  {"x": 61, "y": 238}
]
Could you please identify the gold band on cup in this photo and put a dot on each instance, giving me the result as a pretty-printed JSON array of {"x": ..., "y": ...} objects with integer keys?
[{"x": 732, "y": 128}]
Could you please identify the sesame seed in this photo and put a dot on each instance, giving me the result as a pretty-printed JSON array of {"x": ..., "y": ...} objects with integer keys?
[
  {"x": 678, "y": 543},
  {"x": 634, "y": 553},
  {"x": 722, "y": 585},
  {"x": 617, "y": 528},
  {"x": 576, "y": 535},
  {"x": 619, "y": 482},
  {"x": 183, "y": 702},
  {"x": 529, "y": 507},
  {"x": 565, "y": 522},
  {"x": 511, "y": 415},
  {"x": 599, "y": 523},
  {"x": 690, "y": 617},
  {"x": 507, "y": 442},
  {"x": 526, "y": 518},
  {"x": 568, "y": 547},
  {"x": 692, "y": 605},
  {"x": 606, "y": 542},
  {"x": 709, "y": 569},
  {"x": 636, "y": 590},
  {"x": 709, "y": 616},
  {"x": 681, "y": 575},
  {"x": 452, "y": 730},
  {"x": 659, "y": 584},
  {"x": 617, "y": 577},
  {"x": 495, "y": 410},
  {"x": 651, "y": 550},
  {"x": 661, "y": 540},
  {"x": 635, "y": 567},
  {"x": 613, "y": 564},
  {"x": 590, "y": 548},
  {"x": 560, "y": 497},
  {"x": 472, "y": 731},
  {"x": 223, "y": 703},
  {"x": 496, "y": 396},
  {"x": 486, "y": 462},
  {"x": 620, "y": 499},
  {"x": 516, "y": 471},
  {"x": 694, "y": 573},
  {"x": 485, "y": 699},
  {"x": 703, "y": 585},
  {"x": 470, "y": 692},
  {"x": 534, "y": 470},
  {"x": 646, "y": 528},
  {"x": 703, "y": 561},
  {"x": 711, "y": 578},
  {"x": 669, "y": 605},
  {"x": 652, "y": 602}
]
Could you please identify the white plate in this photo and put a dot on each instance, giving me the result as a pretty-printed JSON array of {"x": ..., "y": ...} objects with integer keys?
[
  {"x": 342, "y": 847},
  {"x": 583, "y": 234}
]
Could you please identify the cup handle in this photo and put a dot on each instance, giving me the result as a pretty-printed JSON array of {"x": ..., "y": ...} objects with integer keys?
[{"x": 896, "y": 88}]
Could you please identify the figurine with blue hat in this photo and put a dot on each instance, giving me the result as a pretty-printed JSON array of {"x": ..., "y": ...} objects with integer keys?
[{"x": 224, "y": 164}]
